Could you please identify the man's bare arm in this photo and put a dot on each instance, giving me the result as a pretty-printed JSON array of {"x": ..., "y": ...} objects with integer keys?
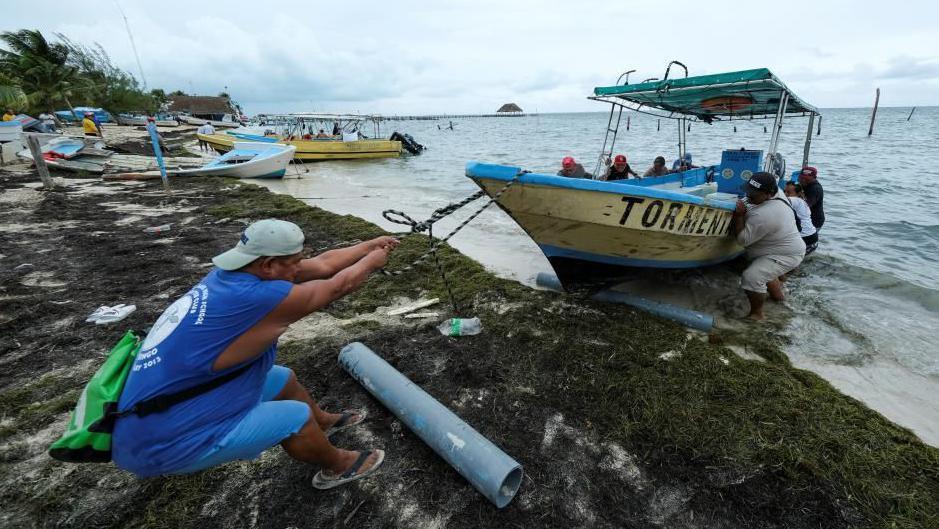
[
  {"x": 328, "y": 264},
  {"x": 303, "y": 299}
]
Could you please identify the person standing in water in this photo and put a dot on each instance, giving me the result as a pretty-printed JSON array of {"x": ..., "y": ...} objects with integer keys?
[{"x": 768, "y": 231}]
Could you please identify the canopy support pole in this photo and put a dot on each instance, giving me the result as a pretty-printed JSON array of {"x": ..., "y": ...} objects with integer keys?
[
  {"x": 808, "y": 141},
  {"x": 610, "y": 128},
  {"x": 681, "y": 139},
  {"x": 777, "y": 127}
]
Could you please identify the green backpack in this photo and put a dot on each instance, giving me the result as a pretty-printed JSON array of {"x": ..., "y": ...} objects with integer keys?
[{"x": 88, "y": 436}]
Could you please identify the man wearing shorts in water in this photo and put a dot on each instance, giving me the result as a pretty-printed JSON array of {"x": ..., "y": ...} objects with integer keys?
[{"x": 767, "y": 229}]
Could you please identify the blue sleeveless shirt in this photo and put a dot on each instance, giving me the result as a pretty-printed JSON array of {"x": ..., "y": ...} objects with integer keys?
[{"x": 178, "y": 354}]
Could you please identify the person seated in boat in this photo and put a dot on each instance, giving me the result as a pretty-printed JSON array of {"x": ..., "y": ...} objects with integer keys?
[
  {"x": 571, "y": 169},
  {"x": 767, "y": 229},
  {"x": 322, "y": 135},
  {"x": 801, "y": 207},
  {"x": 620, "y": 170},
  {"x": 658, "y": 168},
  {"x": 683, "y": 163},
  {"x": 230, "y": 322},
  {"x": 9, "y": 115},
  {"x": 89, "y": 127},
  {"x": 307, "y": 137}
]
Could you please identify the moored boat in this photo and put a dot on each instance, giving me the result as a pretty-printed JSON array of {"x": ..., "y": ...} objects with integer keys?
[
  {"x": 678, "y": 220},
  {"x": 247, "y": 160},
  {"x": 314, "y": 149}
]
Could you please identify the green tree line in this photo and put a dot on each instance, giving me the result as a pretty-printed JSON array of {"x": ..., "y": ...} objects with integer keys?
[{"x": 38, "y": 74}]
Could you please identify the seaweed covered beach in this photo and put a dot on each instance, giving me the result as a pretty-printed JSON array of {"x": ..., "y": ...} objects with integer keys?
[{"x": 619, "y": 419}]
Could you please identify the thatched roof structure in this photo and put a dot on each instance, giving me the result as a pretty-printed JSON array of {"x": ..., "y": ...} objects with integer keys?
[
  {"x": 509, "y": 107},
  {"x": 200, "y": 105}
]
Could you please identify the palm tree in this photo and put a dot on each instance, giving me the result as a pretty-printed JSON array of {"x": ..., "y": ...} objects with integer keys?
[
  {"x": 11, "y": 95},
  {"x": 40, "y": 66}
]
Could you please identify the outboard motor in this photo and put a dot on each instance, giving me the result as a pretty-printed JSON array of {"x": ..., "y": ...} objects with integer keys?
[{"x": 408, "y": 142}]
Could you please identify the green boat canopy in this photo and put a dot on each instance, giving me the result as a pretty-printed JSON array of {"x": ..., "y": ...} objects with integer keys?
[{"x": 747, "y": 94}]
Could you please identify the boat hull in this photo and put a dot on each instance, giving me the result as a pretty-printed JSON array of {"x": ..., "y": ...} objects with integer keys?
[
  {"x": 272, "y": 166},
  {"x": 311, "y": 150},
  {"x": 613, "y": 223}
]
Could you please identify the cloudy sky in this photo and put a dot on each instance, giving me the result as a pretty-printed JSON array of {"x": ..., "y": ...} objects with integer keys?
[{"x": 404, "y": 56}]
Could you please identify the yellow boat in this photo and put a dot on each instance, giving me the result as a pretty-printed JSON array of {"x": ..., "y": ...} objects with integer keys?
[
  {"x": 322, "y": 149},
  {"x": 617, "y": 223},
  {"x": 678, "y": 220}
]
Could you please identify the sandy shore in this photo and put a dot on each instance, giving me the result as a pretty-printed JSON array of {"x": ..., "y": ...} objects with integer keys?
[{"x": 619, "y": 419}]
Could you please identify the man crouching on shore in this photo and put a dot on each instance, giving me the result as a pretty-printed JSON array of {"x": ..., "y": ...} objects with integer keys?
[
  {"x": 232, "y": 319},
  {"x": 768, "y": 231}
]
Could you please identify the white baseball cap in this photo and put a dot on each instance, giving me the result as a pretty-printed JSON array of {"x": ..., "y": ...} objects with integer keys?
[{"x": 264, "y": 238}]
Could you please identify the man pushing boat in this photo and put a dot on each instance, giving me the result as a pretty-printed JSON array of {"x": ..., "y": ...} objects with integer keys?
[
  {"x": 225, "y": 329},
  {"x": 768, "y": 230}
]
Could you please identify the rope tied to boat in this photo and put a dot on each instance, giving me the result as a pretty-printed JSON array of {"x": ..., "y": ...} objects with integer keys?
[{"x": 400, "y": 217}]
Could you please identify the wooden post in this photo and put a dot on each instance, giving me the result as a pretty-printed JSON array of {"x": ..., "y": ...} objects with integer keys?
[
  {"x": 627, "y": 122},
  {"x": 39, "y": 161},
  {"x": 819, "y": 133},
  {"x": 911, "y": 114},
  {"x": 658, "y": 126},
  {"x": 874, "y": 113}
]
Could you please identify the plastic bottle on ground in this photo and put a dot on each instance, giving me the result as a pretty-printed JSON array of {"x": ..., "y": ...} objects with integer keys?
[
  {"x": 460, "y": 327},
  {"x": 158, "y": 229}
]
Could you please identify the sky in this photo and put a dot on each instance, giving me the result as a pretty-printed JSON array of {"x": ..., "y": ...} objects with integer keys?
[{"x": 410, "y": 57}]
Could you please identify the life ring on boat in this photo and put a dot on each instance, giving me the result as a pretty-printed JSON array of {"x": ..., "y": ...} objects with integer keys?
[{"x": 726, "y": 103}]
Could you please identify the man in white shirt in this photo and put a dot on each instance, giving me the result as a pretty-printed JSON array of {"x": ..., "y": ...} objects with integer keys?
[
  {"x": 206, "y": 130},
  {"x": 801, "y": 207},
  {"x": 768, "y": 231}
]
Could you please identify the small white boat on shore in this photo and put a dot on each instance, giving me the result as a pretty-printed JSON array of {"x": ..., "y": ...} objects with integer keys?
[
  {"x": 247, "y": 160},
  {"x": 137, "y": 120},
  {"x": 226, "y": 122},
  {"x": 69, "y": 153}
]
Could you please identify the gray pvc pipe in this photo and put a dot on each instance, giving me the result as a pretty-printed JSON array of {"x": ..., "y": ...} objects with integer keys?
[
  {"x": 687, "y": 317},
  {"x": 490, "y": 470}
]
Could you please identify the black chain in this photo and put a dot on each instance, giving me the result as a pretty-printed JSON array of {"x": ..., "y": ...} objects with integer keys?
[{"x": 400, "y": 217}]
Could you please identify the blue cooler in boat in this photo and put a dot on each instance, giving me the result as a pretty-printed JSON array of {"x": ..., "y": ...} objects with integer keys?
[{"x": 737, "y": 166}]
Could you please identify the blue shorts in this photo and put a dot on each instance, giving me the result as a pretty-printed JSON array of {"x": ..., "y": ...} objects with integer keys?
[{"x": 267, "y": 424}]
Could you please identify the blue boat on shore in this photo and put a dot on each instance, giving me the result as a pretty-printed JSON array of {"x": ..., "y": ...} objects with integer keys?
[{"x": 101, "y": 114}]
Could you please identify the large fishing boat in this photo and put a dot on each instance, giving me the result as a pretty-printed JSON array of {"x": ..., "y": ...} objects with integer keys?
[
  {"x": 341, "y": 136},
  {"x": 679, "y": 220}
]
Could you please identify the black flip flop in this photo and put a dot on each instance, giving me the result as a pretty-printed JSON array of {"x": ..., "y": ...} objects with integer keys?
[
  {"x": 345, "y": 421},
  {"x": 326, "y": 480}
]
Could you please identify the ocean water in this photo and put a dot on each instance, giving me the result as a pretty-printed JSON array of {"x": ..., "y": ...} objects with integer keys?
[{"x": 863, "y": 311}]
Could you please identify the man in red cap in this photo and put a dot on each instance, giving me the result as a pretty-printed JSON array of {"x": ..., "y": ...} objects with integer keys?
[
  {"x": 620, "y": 170},
  {"x": 572, "y": 169}
]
